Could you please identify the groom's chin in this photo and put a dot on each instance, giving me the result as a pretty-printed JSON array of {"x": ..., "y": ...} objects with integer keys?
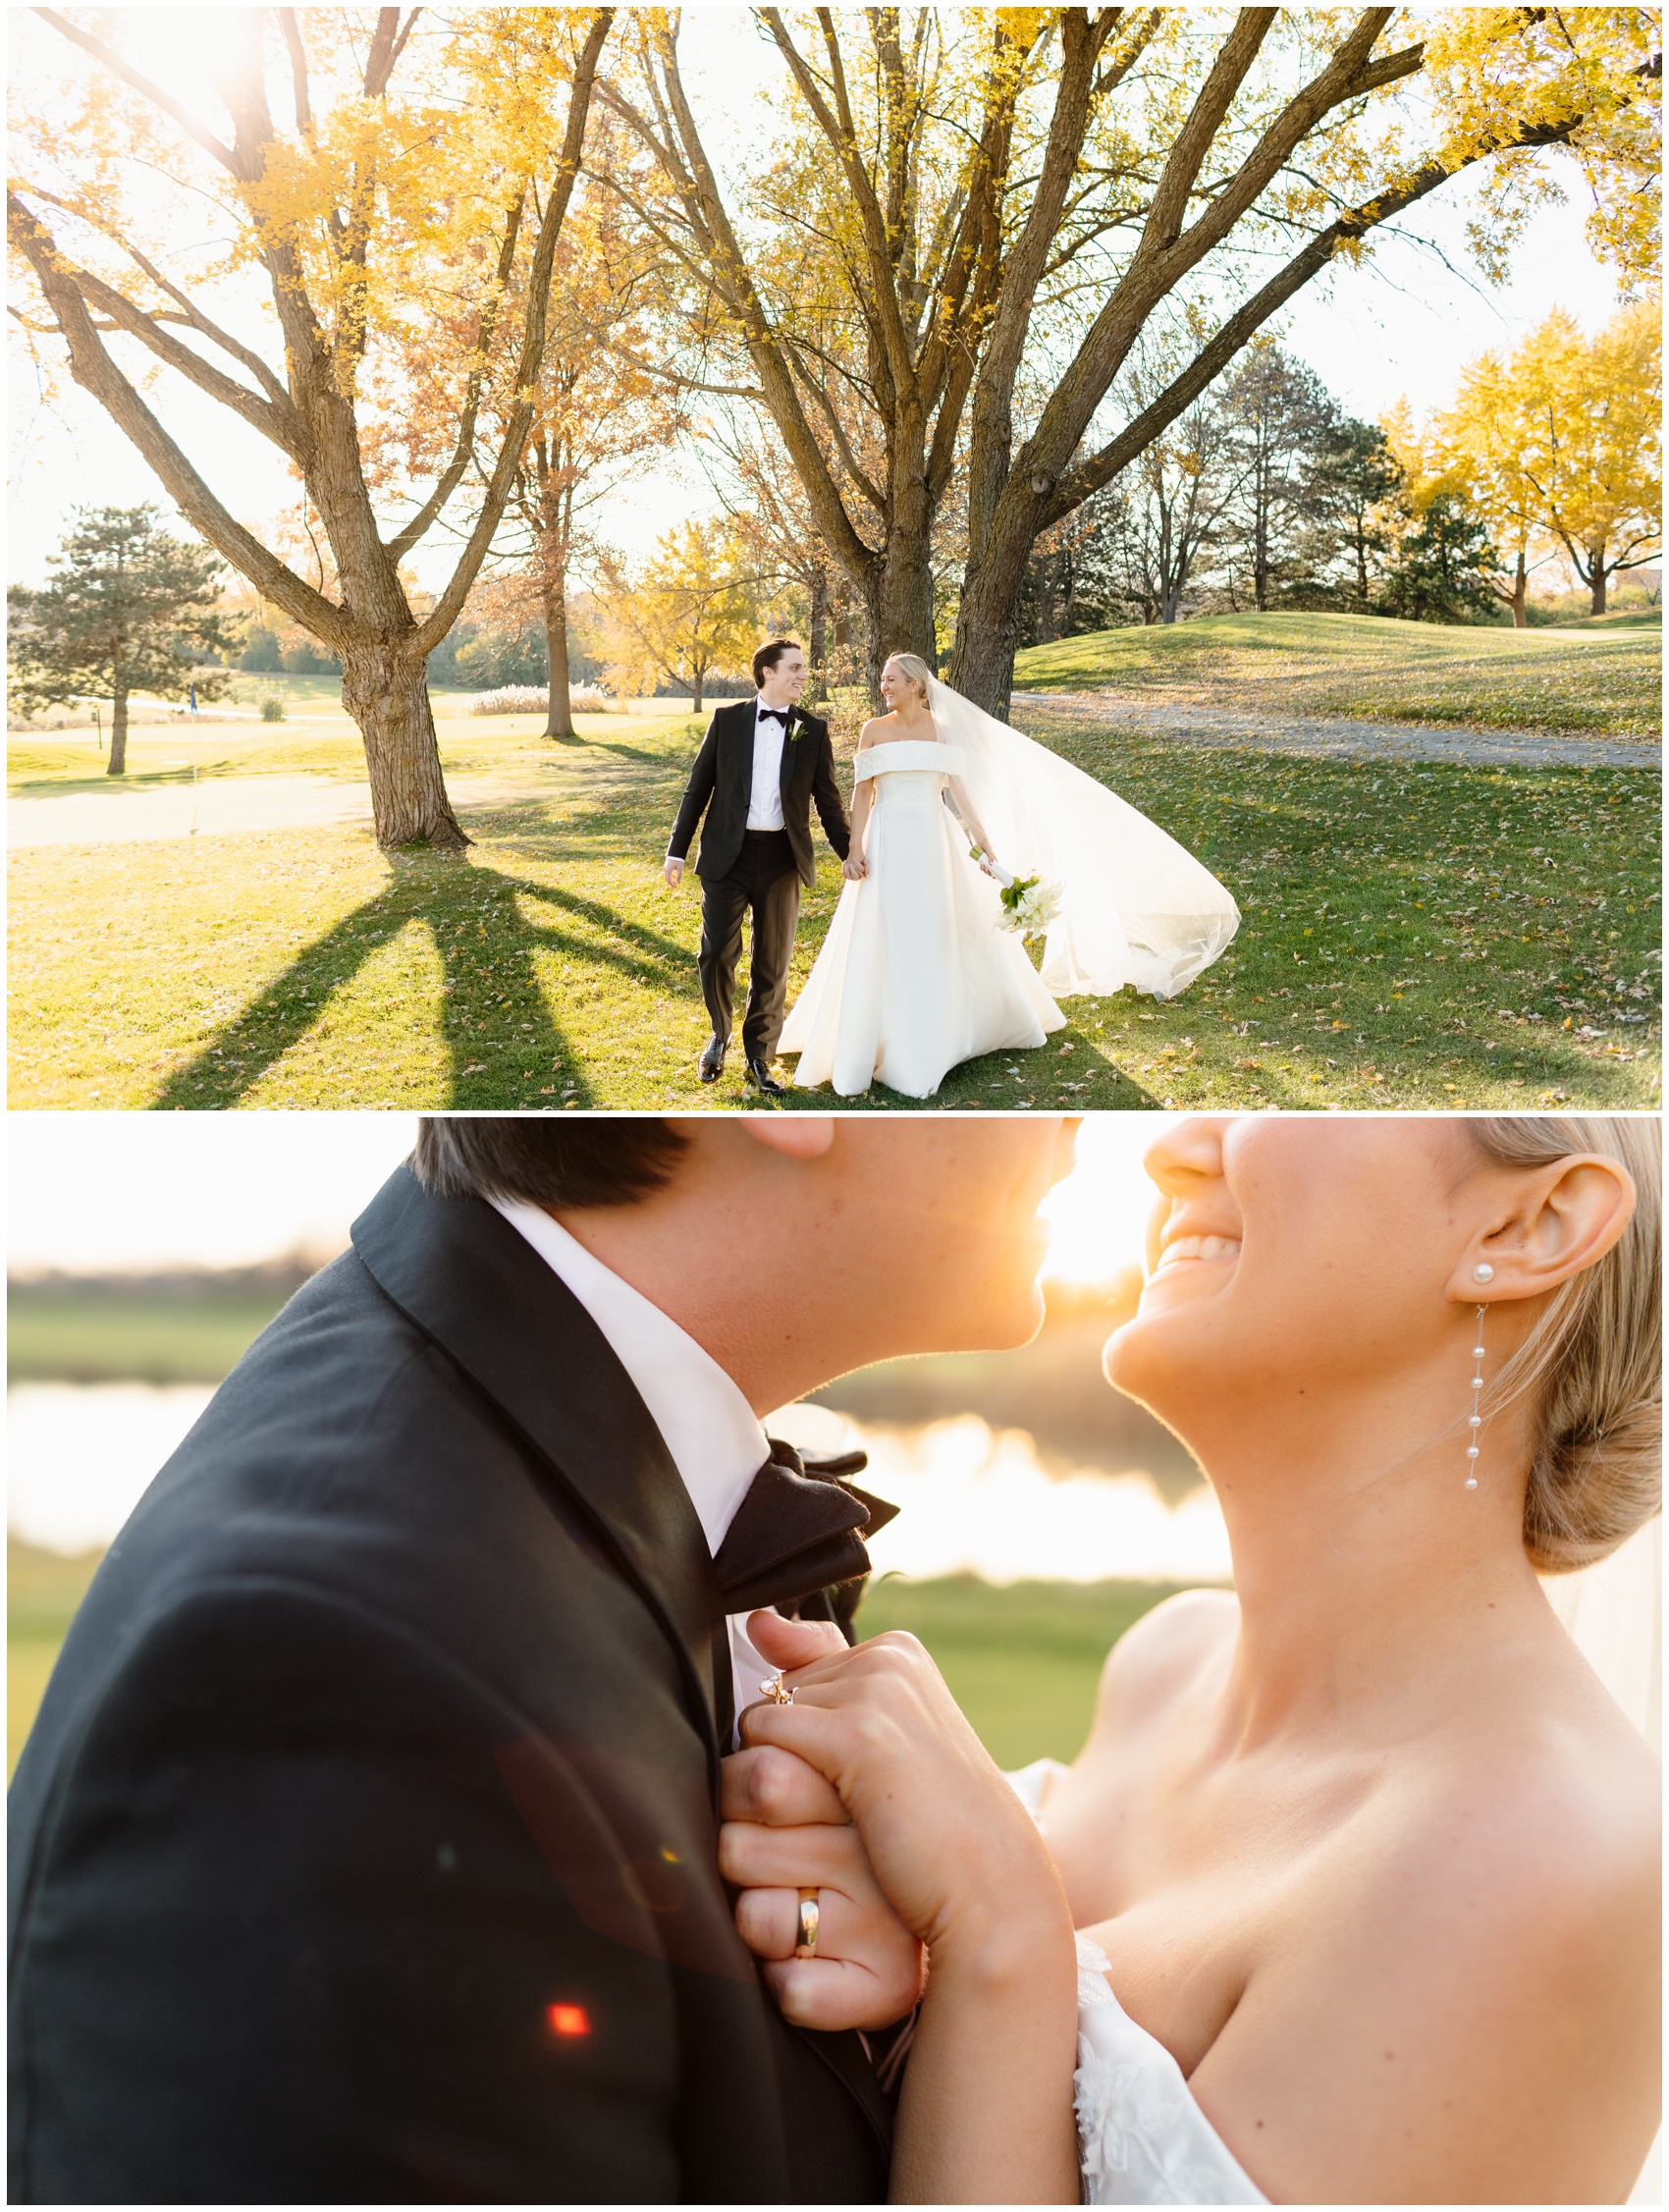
[{"x": 1010, "y": 1322}]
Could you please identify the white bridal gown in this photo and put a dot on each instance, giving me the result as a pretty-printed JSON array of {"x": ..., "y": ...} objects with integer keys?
[
  {"x": 915, "y": 973},
  {"x": 1142, "y": 2139}
]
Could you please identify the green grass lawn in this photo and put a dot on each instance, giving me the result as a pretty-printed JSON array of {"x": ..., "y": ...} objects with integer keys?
[
  {"x": 1022, "y": 1662},
  {"x": 1595, "y": 681},
  {"x": 93, "y": 1337},
  {"x": 1414, "y": 935},
  {"x": 43, "y": 1591}
]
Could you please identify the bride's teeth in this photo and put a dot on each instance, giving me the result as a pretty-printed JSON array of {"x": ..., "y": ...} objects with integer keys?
[{"x": 1200, "y": 1248}]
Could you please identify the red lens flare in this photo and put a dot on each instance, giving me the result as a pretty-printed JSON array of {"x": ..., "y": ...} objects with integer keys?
[{"x": 568, "y": 2019}]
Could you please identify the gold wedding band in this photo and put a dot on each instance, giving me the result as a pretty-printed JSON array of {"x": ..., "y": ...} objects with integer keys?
[
  {"x": 809, "y": 1917},
  {"x": 773, "y": 1692}
]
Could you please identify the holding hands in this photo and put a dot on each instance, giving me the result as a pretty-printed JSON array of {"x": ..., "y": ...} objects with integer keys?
[{"x": 871, "y": 1789}]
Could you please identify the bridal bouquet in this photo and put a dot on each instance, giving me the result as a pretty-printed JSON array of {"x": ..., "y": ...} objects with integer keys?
[{"x": 1029, "y": 905}]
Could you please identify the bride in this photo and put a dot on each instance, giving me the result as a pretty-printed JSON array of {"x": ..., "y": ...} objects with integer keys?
[
  {"x": 917, "y": 973},
  {"x": 1365, "y": 1858}
]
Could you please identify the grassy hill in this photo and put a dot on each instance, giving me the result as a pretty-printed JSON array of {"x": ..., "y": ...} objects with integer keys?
[{"x": 1605, "y": 680}]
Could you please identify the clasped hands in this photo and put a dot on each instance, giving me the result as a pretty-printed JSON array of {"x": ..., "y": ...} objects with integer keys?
[{"x": 872, "y": 1789}]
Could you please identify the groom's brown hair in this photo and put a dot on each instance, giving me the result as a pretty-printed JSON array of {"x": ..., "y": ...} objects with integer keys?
[
  {"x": 594, "y": 1160},
  {"x": 765, "y": 659}
]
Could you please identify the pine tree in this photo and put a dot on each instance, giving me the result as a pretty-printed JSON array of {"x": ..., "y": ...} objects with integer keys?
[
  {"x": 1355, "y": 479},
  {"x": 1444, "y": 566},
  {"x": 130, "y": 609}
]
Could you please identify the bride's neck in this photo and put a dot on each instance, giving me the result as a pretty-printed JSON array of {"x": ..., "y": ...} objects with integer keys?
[{"x": 1367, "y": 1572}]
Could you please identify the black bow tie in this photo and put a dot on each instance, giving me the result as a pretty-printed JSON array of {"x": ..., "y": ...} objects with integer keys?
[
  {"x": 775, "y": 714},
  {"x": 797, "y": 1536}
]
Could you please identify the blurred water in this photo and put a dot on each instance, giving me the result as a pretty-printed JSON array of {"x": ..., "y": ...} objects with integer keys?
[
  {"x": 976, "y": 1501},
  {"x": 79, "y": 1456}
]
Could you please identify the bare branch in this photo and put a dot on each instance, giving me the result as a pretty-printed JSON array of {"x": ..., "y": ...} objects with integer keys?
[
  {"x": 113, "y": 61},
  {"x": 452, "y": 474},
  {"x": 189, "y": 313},
  {"x": 298, "y": 70},
  {"x": 94, "y": 369},
  {"x": 450, "y": 604}
]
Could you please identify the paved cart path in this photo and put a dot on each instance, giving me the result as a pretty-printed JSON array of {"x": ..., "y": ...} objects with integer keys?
[{"x": 1334, "y": 735}]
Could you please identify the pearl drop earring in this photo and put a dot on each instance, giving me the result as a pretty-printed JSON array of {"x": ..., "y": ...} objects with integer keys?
[
  {"x": 1483, "y": 1273},
  {"x": 1474, "y": 1419}
]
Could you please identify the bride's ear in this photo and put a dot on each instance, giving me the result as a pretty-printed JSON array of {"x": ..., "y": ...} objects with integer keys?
[
  {"x": 798, "y": 1136},
  {"x": 1565, "y": 1217}
]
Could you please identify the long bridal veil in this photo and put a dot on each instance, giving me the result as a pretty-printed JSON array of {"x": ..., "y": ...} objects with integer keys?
[{"x": 1136, "y": 907}]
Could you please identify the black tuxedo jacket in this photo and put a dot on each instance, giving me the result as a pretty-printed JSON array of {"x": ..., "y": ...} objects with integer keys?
[
  {"x": 721, "y": 785},
  {"x": 365, "y": 1846}
]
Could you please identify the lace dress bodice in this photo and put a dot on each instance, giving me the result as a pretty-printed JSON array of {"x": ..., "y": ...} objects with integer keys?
[{"x": 1142, "y": 2138}]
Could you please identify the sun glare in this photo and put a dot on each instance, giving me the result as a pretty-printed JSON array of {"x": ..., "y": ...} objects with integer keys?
[{"x": 1099, "y": 1215}]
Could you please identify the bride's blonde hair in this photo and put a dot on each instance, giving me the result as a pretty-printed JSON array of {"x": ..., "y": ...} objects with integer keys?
[
  {"x": 1592, "y": 1366},
  {"x": 916, "y": 669}
]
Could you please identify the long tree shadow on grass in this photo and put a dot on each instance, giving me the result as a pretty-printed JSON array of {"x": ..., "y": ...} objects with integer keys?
[{"x": 502, "y": 1039}]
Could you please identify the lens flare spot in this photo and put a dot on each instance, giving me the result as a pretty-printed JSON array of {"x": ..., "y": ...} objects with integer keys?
[{"x": 568, "y": 2020}]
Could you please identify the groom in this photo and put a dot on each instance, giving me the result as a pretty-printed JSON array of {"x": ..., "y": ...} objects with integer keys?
[
  {"x": 365, "y": 1846},
  {"x": 760, "y": 766}
]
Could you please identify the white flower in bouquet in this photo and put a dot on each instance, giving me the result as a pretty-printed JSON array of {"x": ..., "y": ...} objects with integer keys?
[{"x": 1028, "y": 904}]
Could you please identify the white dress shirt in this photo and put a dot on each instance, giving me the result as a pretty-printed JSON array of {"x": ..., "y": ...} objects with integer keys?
[
  {"x": 708, "y": 1428},
  {"x": 765, "y": 800}
]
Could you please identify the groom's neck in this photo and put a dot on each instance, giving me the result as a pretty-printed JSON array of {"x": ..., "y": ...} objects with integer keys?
[{"x": 751, "y": 1285}]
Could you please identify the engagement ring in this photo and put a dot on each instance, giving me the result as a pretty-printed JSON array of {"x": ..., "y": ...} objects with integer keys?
[{"x": 772, "y": 1690}]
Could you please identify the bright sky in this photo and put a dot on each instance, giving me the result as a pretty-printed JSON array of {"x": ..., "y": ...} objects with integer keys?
[
  {"x": 1404, "y": 324},
  {"x": 133, "y": 1190}
]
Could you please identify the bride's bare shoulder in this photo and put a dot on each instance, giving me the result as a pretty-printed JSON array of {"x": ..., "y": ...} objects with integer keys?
[
  {"x": 1157, "y": 1658},
  {"x": 871, "y": 732}
]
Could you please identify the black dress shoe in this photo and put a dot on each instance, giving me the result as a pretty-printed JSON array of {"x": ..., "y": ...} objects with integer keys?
[
  {"x": 711, "y": 1064},
  {"x": 760, "y": 1077}
]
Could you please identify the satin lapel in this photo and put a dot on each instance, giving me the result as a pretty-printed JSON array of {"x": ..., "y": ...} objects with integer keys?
[
  {"x": 467, "y": 1278},
  {"x": 786, "y": 766}
]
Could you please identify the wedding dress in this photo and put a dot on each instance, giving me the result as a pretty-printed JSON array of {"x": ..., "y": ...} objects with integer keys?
[
  {"x": 916, "y": 973},
  {"x": 1142, "y": 2139}
]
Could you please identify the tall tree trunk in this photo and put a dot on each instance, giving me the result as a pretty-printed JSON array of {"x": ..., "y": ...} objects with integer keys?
[
  {"x": 1520, "y": 594},
  {"x": 118, "y": 763},
  {"x": 898, "y": 601},
  {"x": 558, "y": 714},
  {"x": 1361, "y": 563},
  {"x": 387, "y": 693},
  {"x": 1596, "y": 580},
  {"x": 819, "y": 634},
  {"x": 695, "y": 704}
]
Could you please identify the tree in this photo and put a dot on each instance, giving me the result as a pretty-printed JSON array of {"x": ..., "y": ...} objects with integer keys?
[
  {"x": 1074, "y": 579},
  {"x": 959, "y": 208},
  {"x": 383, "y": 215},
  {"x": 1593, "y": 411},
  {"x": 1276, "y": 414},
  {"x": 599, "y": 414},
  {"x": 1355, "y": 483},
  {"x": 691, "y": 611},
  {"x": 130, "y": 609},
  {"x": 1444, "y": 567},
  {"x": 1170, "y": 505}
]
